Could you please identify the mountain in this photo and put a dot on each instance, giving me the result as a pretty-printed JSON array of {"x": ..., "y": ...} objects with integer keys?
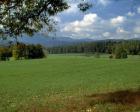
[
  {"x": 51, "y": 41},
  {"x": 55, "y": 41}
]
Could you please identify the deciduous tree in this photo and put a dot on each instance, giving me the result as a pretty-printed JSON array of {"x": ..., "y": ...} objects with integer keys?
[{"x": 19, "y": 17}]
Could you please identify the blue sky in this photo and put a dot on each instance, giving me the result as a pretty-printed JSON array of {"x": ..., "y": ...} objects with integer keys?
[{"x": 107, "y": 19}]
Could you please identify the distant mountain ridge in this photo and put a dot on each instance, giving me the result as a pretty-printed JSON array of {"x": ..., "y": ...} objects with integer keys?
[
  {"x": 52, "y": 41},
  {"x": 56, "y": 41}
]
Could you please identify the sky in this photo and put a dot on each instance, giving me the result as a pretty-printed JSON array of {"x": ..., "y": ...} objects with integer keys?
[{"x": 107, "y": 19}]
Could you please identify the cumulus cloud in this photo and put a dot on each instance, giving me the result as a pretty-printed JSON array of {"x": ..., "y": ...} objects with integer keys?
[
  {"x": 138, "y": 10},
  {"x": 97, "y": 27},
  {"x": 1, "y": 26},
  {"x": 137, "y": 29},
  {"x": 121, "y": 31},
  {"x": 106, "y": 34},
  {"x": 104, "y": 2},
  {"x": 73, "y": 9},
  {"x": 117, "y": 20},
  {"x": 136, "y": 36},
  {"x": 93, "y": 26},
  {"x": 84, "y": 24},
  {"x": 130, "y": 14},
  {"x": 57, "y": 19}
]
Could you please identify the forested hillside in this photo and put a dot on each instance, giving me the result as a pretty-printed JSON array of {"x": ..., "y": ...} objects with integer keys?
[{"x": 106, "y": 46}]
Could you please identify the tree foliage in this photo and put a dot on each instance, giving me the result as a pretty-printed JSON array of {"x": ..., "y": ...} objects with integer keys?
[
  {"x": 132, "y": 47},
  {"x": 28, "y": 16},
  {"x": 34, "y": 52},
  {"x": 120, "y": 52},
  {"x": 85, "y": 6},
  {"x": 21, "y": 51},
  {"x": 5, "y": 54}
]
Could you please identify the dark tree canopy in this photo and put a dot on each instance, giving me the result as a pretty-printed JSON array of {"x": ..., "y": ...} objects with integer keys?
[
  {"x": 28, "y": 16},
  {"x": 85, "y": 6}
]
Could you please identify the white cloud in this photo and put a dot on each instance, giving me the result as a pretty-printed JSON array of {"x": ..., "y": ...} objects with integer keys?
[
  {"x": 84, "y": 24},
  {"x": 138, "y": 10},
  {"x": 106, "y": 34},
  {"x": 121, "y": 31},
  {"x": 130, "y": 14},
  {"x": 72, "y": 9},
  {"x": 118, "y": 20},
  {"x": 104, "y": 2},
  {"x": 57, "y": 19},
  {"x": 1, "y": 26},
  {"x": 137, "y": 29},
  {"x": 93, "y": 26},
  {"x": 136, "y": 35}
]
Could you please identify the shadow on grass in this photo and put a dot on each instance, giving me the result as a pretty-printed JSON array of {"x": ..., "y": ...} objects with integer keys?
[
  {"x": 119, "y": 101},
  {"x": 125, "y": 97}
]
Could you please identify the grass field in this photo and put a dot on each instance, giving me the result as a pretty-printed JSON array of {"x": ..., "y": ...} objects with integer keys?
[{"x": 29, "y": 82}]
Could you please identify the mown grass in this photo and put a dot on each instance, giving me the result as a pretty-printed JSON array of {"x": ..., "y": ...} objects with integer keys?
[{"x": 43, "y": 81}]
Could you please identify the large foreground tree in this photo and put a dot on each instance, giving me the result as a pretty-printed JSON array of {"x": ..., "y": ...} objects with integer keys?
[{"x": 19, "y": 17}]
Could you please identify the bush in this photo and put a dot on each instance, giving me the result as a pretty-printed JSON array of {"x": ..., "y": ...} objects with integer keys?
[
  {"x": 34, "y": 52},
  {"x": 22, "y": 51},
  {"x": 124, "y": 54},
  {"x": 97, "y": 55},
  {"x": 15, "y": 52},
  {"x": 120, "y": 52},
  {"x": 111, "y": 56},
  {"x": 88, "y": 54},
  {"x": 5, "y": 54}
]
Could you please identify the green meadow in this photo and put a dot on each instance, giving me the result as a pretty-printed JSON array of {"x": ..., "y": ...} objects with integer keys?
[{"x": 27, "y": 82}]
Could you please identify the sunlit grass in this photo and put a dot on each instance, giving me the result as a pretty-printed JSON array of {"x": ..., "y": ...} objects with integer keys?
[{"x": 64, "y": 75}]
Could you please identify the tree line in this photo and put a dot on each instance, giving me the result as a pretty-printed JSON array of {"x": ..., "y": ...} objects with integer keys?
[
  {"x": 117, "y": 49},
  {"x": 113, "y": 47},
  {"x": 21, "y": 51}
]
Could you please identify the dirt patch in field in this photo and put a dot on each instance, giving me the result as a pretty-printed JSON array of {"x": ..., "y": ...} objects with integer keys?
[
  {"x": 126, "y": 97},
  {"x": 119, "y": 101}
]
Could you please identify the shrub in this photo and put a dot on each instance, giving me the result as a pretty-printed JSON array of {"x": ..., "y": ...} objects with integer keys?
[
  {"x": 111, "y": 56},
  {"x": 88, "y": 54},
  {"x": 5, "y": 54},
  {"x": 34, "y": 52},
  {"x": 97, "y": 55},
  {"x": 16, "y": 52},
  {"x": 120, "y": 52},
  {"x": 22, "y": 51}
]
